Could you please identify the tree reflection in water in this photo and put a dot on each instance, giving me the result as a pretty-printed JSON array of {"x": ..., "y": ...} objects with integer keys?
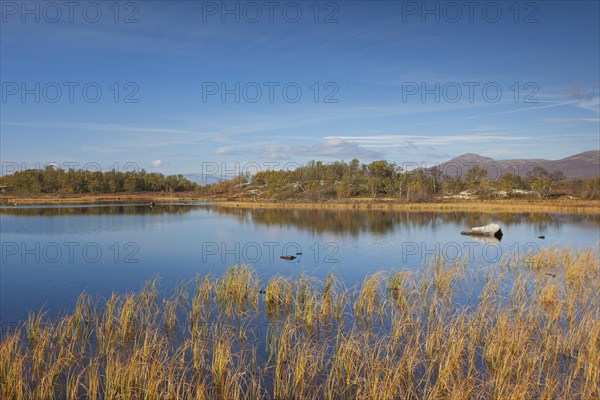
[
  {"x": 347, "y": 222},
  {"x": 353, "y": 222}
]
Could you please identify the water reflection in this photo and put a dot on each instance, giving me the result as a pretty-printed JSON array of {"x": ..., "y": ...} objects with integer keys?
[
  {"x": 489, "y": 240},
  {"x": 179, "y": 241},
  {"x": 90, "y": 219},
  {"x": 352, "y": 222},
  {"x": 318, "y": 221}
]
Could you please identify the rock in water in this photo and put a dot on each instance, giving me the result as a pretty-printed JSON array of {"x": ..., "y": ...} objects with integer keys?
[
  {"x": 488, "y": 230},
  {"x": 542, "y": 237}
]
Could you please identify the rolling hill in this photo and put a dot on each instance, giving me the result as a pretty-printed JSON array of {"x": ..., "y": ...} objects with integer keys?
[{"x": 583, "y": 166}]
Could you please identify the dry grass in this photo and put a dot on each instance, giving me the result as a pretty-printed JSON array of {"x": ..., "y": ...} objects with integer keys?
[
  {"x": 106, "y": 198},
  {"x": 567, "y": 206},
  {"x": 531, "y": 331},
  {"x": 570, "y": 206}
]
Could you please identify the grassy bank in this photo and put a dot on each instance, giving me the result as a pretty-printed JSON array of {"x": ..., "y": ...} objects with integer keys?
[
  {"x": 567, "y": 206},
  {"x": 531, "y": 329},
  {"x": 479, "y": 206},
  {"x": 105, "y": 198}
]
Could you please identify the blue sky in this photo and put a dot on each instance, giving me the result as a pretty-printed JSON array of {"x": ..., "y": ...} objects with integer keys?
[{"x": 378, "y": 80}]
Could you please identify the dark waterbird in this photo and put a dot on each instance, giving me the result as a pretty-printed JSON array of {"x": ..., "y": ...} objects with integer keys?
[{"x": 289, "y": 258}]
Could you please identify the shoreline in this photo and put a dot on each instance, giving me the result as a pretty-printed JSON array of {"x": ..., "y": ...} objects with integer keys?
[
  {"x": 96, "y": 199},
  {"x": 481, "y": 206},
  {"x": 567, "y": 206}
]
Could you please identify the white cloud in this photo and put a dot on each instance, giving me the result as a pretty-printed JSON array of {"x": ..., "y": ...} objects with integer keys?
[
  {"x": 156, "y": 163},
  {"x": 592, "y": 104}
]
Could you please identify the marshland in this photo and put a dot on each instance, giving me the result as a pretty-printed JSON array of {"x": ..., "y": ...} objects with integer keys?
[
  {"x": 230, "y": 200},
  {"x": 532, "y": 330},
  {"x": 377, "y": 304}
]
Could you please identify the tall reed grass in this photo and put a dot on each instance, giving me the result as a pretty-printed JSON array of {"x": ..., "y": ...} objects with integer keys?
[{"x": 523, "y": 329}]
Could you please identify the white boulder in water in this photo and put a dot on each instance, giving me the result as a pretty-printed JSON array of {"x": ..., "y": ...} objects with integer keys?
[{"x": 488, "y": 230}]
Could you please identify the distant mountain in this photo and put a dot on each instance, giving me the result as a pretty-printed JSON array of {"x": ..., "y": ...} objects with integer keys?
[
  {"x": 584, "y": 165},
  {"x": 204, "y": 179}
]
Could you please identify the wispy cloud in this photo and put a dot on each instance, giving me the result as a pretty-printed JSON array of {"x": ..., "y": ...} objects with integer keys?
[
  {"x": 99, "y": 127},
  {"x": 333, "y": 147},
  {"x": 571, "y": 120},
  {"x": 486, "y": 128},
  {"x": 422, "y": 140},
  {"x": 138, "y": 136},
  {"x": 592, "y": 104},
  {"x": 525, "y": 109}
]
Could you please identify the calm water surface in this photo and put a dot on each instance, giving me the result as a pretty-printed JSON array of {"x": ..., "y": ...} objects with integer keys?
[{"x": 52, "y": 254}]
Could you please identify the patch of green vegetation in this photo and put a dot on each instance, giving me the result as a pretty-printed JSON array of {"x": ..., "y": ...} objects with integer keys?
[
  {"x": 52, "y": 180},
  {"x": 318, "y": 181}
]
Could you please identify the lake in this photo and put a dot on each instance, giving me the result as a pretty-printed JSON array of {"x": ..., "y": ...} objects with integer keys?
[{"x": 51, "y": 254}]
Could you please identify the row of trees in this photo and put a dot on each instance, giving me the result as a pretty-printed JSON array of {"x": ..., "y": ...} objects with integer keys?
[
  {"x": 56, "y": 180},
  {"x": 318, "y": 181},
  {"x": 315, "y": 181}
]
